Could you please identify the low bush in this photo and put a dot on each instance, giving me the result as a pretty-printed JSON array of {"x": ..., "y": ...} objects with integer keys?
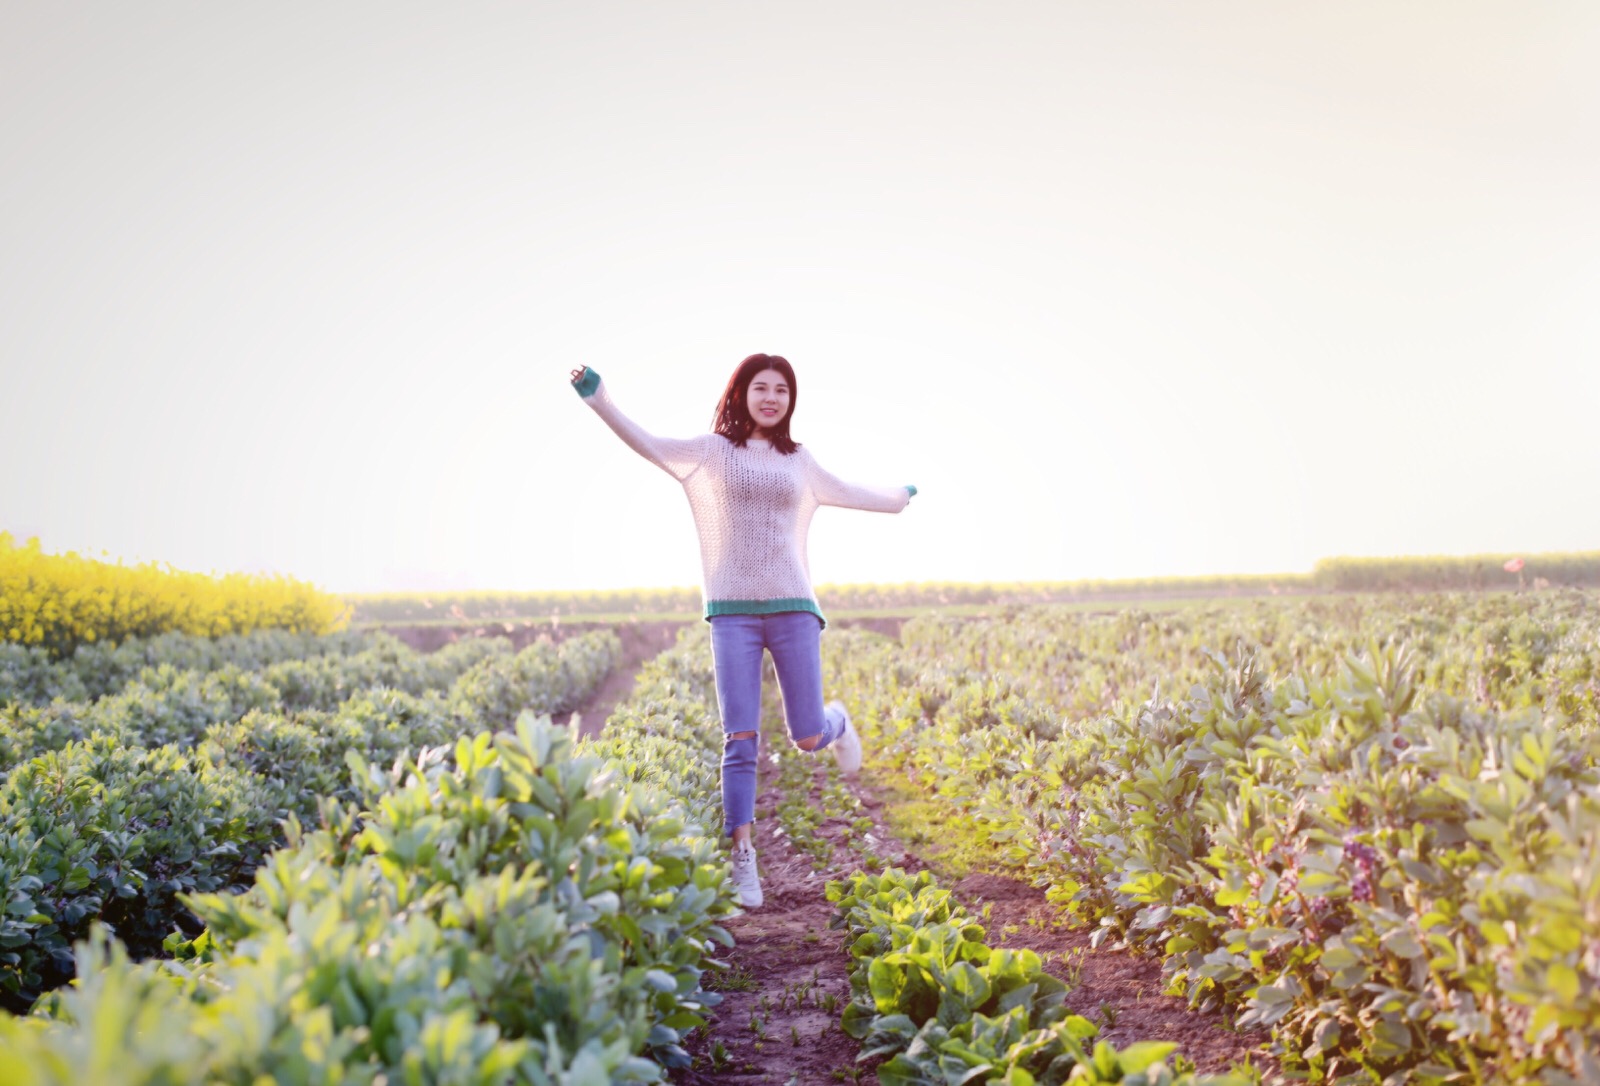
[
  {"x": 510, "y": 907},
  {"x": 178, "y": 783},
  {"x": 502, "y": 912}
]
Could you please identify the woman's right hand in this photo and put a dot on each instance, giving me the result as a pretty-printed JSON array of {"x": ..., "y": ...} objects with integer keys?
[{"x": 577, "y": 374}]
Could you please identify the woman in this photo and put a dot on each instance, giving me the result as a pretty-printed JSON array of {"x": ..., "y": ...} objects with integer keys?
[{"x": 752, "y": 489}]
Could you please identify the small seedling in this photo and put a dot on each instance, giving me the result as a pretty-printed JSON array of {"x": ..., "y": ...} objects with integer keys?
[
  {"x": 735, "y": 978},
  {"x": 1071, "y": 971},
  {"x": 794, "y": 1035}
]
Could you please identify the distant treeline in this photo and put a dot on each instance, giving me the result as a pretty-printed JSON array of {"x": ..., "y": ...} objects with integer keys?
[
  {"x": 1441, "y": 573},
  {"x": 1414, "y": 574}
]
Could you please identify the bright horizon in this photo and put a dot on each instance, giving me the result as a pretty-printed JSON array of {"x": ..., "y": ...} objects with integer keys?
[
  {"x": 1127, "y": 291},
  {"x": 691, "y": 587}
]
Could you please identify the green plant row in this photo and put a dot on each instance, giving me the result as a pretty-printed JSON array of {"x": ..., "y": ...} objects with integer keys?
[
  {"x": 939, "y": 1005},
  {"x": 1500, "y": 652},
  {"x": 1398, "y": 882},
  {"x": 111, "y": 810},
  {"x": 30, "y": 675},
  {"x": 479, "y": 679},
  {"x": 309, "y": 671},
  {"x": 516, "y": 908}
]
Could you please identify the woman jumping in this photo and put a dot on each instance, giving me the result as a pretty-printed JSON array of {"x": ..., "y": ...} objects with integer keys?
[{"x": 752, "y": 489}]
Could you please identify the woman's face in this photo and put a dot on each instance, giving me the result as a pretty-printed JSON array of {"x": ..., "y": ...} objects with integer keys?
[{"x": 768, "y": 399}]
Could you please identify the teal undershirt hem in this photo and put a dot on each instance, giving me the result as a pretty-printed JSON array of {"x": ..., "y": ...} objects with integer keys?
[
  {"x": 763, "y": 607},
  {"x": 587, "y": 385}
]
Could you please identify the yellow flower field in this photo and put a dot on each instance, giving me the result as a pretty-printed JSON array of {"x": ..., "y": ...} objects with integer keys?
[{"x": 60, "y": 601}]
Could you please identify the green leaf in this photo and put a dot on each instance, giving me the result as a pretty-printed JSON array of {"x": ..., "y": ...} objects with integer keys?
[
  {"x": 1494, "y": 932},
  {"x": 1141, "y": 1054},
  {"x": 1402, "y": 943},
  {"x": 887, "y": 984},
  {"x": 968, "y": 984},
  {"x": 1562, "y": 980}
]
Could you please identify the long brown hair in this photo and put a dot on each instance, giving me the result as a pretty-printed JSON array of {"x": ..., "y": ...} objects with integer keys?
[{"x": 732, "y": 418}]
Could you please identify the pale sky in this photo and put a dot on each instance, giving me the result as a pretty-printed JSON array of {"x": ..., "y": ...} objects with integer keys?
[{"x": 1124, "y": 288}]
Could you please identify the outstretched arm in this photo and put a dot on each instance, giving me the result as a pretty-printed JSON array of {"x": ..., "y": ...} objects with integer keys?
[
  {"x": 678, "y": 457},
  {"x": 831, "y": 490}
]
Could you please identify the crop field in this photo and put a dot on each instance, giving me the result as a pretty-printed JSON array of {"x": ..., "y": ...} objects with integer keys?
[
  {"x": 1485, "y": 572},
  {"x": 1343, "y": 839},
  {"x": 340, "y": 859},
  {"x": 1371, "y": 826}
]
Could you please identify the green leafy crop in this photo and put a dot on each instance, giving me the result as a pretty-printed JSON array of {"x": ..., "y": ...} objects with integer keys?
[
  {"x": 1368, "y": 824},
  {"x": 939, "y": 1005}
]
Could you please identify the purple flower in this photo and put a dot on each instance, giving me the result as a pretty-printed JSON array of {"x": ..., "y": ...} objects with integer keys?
[{"x": 1365, "y": 857}]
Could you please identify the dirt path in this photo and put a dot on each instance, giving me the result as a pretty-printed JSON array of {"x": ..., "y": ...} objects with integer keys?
[
  {"x": 788, "y": 980},
  {"x": 641, "y": 641}
]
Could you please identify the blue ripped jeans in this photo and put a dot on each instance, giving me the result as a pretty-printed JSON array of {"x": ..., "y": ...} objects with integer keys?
[{"x": 737, "y": 641}]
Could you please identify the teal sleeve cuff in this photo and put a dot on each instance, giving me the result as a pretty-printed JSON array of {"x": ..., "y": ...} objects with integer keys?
[
  {"x": 588, "y": 383},
  {"x": 912, "y": 489}
]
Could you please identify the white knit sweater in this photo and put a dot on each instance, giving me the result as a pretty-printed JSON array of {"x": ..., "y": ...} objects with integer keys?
[{"x": 752, "y": 508}]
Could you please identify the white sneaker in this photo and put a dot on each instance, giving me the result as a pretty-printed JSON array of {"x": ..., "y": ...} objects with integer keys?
[
  {"x": 745, "y": 879},
  {"x": 847, "y": 748}
]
